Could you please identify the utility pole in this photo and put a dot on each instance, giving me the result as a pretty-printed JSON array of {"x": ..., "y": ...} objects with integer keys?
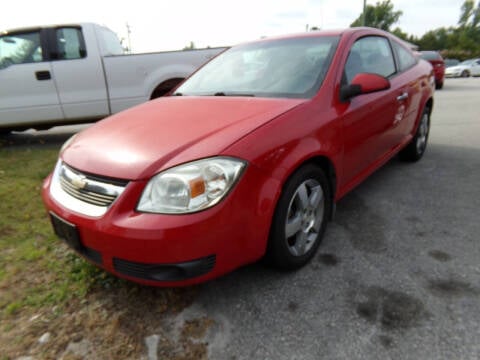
[
  {"x": 128, "y": 38},
  {"x": 364, "y": 14}
]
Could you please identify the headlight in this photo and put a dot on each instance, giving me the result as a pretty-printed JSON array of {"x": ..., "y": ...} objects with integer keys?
[{"x": 191, "y": 187}]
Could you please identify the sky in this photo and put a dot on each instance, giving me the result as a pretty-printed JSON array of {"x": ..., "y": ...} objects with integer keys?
[{"x": 160, "y": 25}]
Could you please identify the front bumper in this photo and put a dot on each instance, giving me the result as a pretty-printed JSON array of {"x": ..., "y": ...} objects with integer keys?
[
  {"x": 175, "y": 250},
  {"x": 453, "y": 74}
]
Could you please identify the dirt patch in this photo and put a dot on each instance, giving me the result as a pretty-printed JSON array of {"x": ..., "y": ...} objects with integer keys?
[
  {"x": 391, "y": 310},
  {"x": 328, "y": 259},
  {"x": 439, "y": 255},
  {"x": 451, "y": 288},
  {"x": 114, "y": 322}
]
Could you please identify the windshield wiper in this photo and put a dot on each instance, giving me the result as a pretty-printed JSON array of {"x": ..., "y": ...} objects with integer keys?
[
  {"x": 178, "y": 94},
  {"x": 221, "y": 93}
]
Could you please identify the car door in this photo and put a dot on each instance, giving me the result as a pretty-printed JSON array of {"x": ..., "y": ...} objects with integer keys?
[
  {"x": 410, "y": 95},
  {"x": 476, "y": 68},
  {"x": 370, "y": 121},
  {"x": 28, "y": 93},
  {"x": 79, "y": 73}
]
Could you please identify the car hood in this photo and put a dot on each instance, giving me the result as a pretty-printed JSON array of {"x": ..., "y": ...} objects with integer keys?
[{"x": 141, "y": 141}]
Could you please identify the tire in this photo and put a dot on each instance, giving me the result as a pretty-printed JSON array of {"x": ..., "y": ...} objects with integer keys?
[
  {"x": 439, "y": 85},
  {"x": 465, "y": 74},
  {"x": 300, "y": 218},
  {"x": 417, "y": 146}
]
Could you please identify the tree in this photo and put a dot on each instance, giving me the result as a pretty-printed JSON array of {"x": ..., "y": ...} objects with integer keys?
[
  {"x": 191, "y": 46},
  {"x": 381, "y": 16}
]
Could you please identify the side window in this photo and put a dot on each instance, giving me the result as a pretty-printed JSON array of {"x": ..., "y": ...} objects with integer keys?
[
  {"x": 371, "y": 54},
  {"x": 70, "y": 43},
  {"x": 20, "y": 48},
  {"x": 405, "y": 58},
  {"x": 111, "y": 43}
]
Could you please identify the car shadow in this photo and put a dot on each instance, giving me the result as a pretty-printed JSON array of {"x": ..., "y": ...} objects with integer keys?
[{"x": 54, "y": 137}]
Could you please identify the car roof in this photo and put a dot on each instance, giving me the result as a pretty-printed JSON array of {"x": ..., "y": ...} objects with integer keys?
[{"x": 323, "y": 33}]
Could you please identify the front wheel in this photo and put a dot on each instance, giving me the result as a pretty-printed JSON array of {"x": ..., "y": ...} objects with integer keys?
[
  {"x": 300, "y": 218},
  {"x": 417, "y": 146},
  {"x": 465, "y": 74}
]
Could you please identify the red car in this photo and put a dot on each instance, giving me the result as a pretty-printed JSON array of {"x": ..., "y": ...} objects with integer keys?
[
  {"x": 245, "y": 159},
  {"x": 434, "y": 58}
]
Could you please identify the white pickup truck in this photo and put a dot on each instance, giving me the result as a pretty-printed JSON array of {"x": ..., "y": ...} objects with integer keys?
[{"x": 68, "y": 74}]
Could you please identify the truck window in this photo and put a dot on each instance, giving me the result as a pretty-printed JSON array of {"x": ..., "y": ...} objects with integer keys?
[
  {"x": 110, "y": 42},
  {"x": 70, "y": 43},
  {"x": 20, "y": 48}
]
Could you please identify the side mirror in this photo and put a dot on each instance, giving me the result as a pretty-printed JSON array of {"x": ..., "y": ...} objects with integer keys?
[{"x": 363, "y": 83}]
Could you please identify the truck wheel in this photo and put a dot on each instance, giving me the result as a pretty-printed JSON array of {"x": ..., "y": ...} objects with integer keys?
[
  {"x": 165, "y": 87},
  {"x": 300, "y": 218}
]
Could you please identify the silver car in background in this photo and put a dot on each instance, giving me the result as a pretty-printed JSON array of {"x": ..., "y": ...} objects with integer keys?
[{"x": 466, "y": 68}]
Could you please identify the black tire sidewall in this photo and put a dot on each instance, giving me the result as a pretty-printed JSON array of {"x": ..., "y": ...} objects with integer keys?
[
  {"x": 410, "y": 153},
  {"x": 278, "y": 253},
  {"x": 426, "y": 111}
]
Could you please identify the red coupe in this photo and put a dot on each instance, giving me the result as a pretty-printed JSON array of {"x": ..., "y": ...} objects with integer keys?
[{"x": 245, "y": 160}]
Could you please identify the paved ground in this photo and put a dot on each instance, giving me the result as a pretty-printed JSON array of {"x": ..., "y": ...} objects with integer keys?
[{"x": 398, "y": 274}]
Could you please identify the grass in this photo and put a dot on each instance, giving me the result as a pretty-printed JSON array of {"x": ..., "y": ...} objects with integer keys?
[{"x": 46, "y": 287}]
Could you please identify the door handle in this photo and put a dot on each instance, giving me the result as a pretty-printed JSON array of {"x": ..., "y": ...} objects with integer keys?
[
  {"x": 402, "y": 97},
  {"x": 43, "y": 75}
]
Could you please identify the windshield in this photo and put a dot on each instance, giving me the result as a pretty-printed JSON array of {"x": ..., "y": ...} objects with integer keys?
[
  {"x": 430, "y": 55},
  {"x": 467, "y": 62},
  {"x": 292, "y": 68}
]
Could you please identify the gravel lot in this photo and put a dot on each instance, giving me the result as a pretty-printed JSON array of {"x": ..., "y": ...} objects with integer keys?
[{"x": 398, "y": 274}]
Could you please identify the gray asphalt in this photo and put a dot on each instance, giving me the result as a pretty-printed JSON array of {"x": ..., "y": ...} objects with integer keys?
[{"x": 398, "y": 273}]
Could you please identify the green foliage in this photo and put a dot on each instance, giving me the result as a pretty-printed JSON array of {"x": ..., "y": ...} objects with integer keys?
[
  {"x": 36, "y": 268},
  {"x": 190, "y": 46},
  {"x": 381, "y": 16},
  {"x": 460, "y": 42}
]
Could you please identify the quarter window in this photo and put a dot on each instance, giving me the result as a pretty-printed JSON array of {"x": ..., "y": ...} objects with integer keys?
[
  {"x": 70, "y": 44},
  {"x": 405, "y": 58},
  {"x": 371, "y": 54}
]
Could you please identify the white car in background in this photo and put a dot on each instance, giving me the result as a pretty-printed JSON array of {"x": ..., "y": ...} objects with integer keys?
[{"x": 466, "y": 68}]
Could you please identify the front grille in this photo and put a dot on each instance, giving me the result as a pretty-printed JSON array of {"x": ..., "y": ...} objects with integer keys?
[
  {"x": 90, "y": 189},
  {"x": 87, "y": 196},
  {"x": 165, "y": 272}
]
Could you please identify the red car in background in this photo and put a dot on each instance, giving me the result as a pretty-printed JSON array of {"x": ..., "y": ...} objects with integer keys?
[
  {"x": 434, "y": 58},
  {"x": 246, "y": 158}
]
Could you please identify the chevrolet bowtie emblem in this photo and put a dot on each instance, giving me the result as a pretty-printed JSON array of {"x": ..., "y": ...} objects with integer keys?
[{"x": 79, "y": 182}]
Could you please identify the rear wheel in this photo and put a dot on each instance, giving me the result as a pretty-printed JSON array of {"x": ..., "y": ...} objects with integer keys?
[
  {"x": 415, "y": 150},
  {"x": 300, "y": 218}
]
